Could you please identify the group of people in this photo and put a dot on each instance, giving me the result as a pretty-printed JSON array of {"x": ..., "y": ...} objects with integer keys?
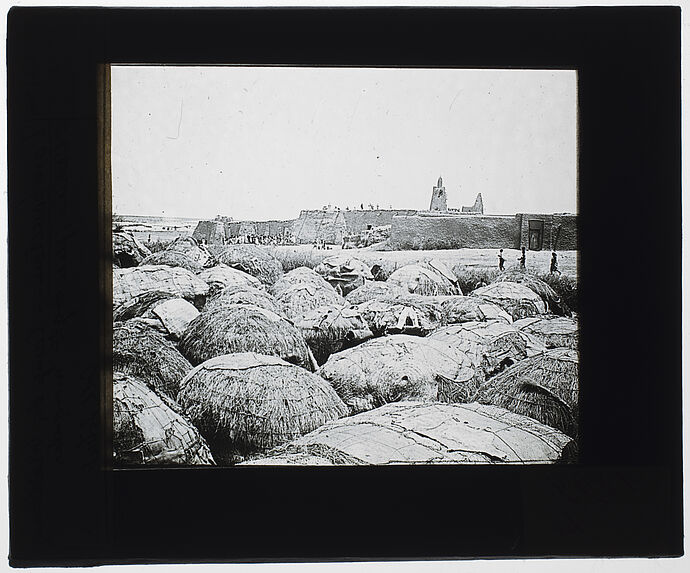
[{"x": 522, "y": 258}]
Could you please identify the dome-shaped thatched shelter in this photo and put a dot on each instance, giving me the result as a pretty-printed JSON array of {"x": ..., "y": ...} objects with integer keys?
[
  {"x": 244, "y": 403},
  {"x": 193, "y": 249},
  {"x": 303, "y": 290},
  {"x": 425, "y": 279},
  {"x": 553, "y": 332},
  {"x": 130, "y": 283},
  {"x": 544, "y": 387},
  {"x": 344, "y": 273},
  {"x": 329, "y": 329},
  {"x": 172, "y": 259},
  {"x": 139, "y": 305},
  {"x": 142, "y": 352},
  {"x": 244, "y": 328},
  {"x": 147, "y": 432},
  {"x": 394, "y": 368},
  {"x": 431, "y": 433},
  {"x": 375, "y": 290},
  {"x": 251, "y": 259},
  {"x": 459, "y": 309},
  {"x": 127, "y": 251},
  {"x": 516, "y": 299},
  {"x": 551, "y": 299},
  {"x": 222, "y": 276},
  {"x": 234, "y": 295},
  {"x": 407, "y": 314},
  {"x": 490, "y": 346}
]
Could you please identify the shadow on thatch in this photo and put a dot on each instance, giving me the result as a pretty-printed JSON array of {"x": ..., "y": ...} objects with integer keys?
[
  {"x": 551, "y": 298},
  {"x": 147, "y": 432},
  {"x": 553, "y": 332},
  {"x": 246, "y": 403},
  {"x": 179, "y": 282},
  {"x": 544, "y": 387},
  {"x": 430, "y": 279},
  {"x": 250, "y": 259},
  {"x": 303, "y": 290},
  {"x": 417, "y": 433},
  {"x": 142, "y": 352},
  {"x": 244, "y": 328},
  {"x": 518, "y": 300}
]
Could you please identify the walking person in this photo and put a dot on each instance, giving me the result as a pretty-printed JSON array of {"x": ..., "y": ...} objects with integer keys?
[
  {"x": 521, "y": 260},
  {"x": 554, "y": 264},
  {"x": 501, "y": 261}
]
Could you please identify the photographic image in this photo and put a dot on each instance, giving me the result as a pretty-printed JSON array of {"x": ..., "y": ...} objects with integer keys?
[{"x": 320, "y": 266}]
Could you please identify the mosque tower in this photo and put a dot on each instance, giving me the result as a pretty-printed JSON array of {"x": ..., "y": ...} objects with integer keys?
[{"x": 438, "y": 197}]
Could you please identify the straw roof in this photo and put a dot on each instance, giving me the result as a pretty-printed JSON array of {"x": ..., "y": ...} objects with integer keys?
[
  {"x": 127, "y": 251},
  {"x": 409, "y": 314},
  {"x": 344, "y": 273},
  {"x": 146, "y": 431},
  {"x": 139, "y": 305},
  {"x": 244, "y": 328},
  {"x": 516, "y": 299},
  {"x": 193, "y": 249},
  {"x": 425, "y": 279},
  {"x": 234, "y": 295},
  {"x": 172, "y": 259},
  {"x": 551, "y": 299},
  {"x": 394, "y": 368},
  {"x": 222, "y": 276},
  {"x": 431, "y": 433},
  {"x": 544, "y": 387},
  {"x": 129, "y": 283},
  {"x": 553, "y": 332},
  {"x": 329, "y": 329},
  {"x": 459, "y": 309},
  {"x": 142, "y": 352},
  {"x": 490, "y": 346},
  {"x": 374, "y": 290},
  {"x": 251, "y": 259},
  {"x": 303, "y": 290},
  {"x": 244, "y": 403},
  {"x": 175, "y": 315}
]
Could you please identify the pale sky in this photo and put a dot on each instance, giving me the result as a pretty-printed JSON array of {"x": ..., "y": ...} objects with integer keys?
[{"x": 262, "y": 143}]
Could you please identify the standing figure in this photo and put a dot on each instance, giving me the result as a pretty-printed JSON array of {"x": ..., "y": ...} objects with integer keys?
[
  {"x": 521, "y": 260},
  {"x": 554, "y": 264},
  {"x": 501, "y": 260}
]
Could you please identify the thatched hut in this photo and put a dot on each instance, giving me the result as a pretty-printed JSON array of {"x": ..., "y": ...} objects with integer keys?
[
  {"x": 329, "y": 329},
  {"x": 374, "y": 290},
  {"x": 193, "y": 249},
  {"x": 551, "y": 298},
  {"x": 244, "y": 328},
  {"x": 174, "y": 315},
  {"x": 246, "y": 403},
  {"x": 173, "y": 259},
  {"x": 222, "y": 276},
  {"x": 435, "y": 433},
  {"x": 127, "y": 251},
  {"x": 459, "y": 309},
  {"x": 129, "y": 283},
  {"x": 407, "y": 314},
  {"x": 303, "y": 290},
  {"x": 139, "y": 305},
  {"x": 432, "y": 278},
  {"x": 251, "y": 259},
  {"x": 516, "y": 299},
  {"x": 142, "y": 352},
  {"x": 147, "y": 432},
  {"x": 553, "y": 332},
  {"x": 344, "y": 273},
  {"x": 544, "y": 387},
  {"x": 234, "y": 295},
  {"x": 490, "y": 346},
  {"x": 394, "y": 368}
]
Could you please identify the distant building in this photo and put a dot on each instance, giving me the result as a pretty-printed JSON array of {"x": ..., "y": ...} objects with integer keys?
[
  {"x": 478, "y": 206},
  {"x": 438, "y": 198}
]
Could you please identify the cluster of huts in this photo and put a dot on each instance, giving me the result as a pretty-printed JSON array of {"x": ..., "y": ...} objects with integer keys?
[{"x": 219, "y": 357}]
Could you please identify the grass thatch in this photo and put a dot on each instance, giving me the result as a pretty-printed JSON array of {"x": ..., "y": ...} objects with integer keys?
[
  {"x": 142, "y": 352},
  {"x": 407, "y": 314},
  {"x": 244, "y": 328},
  {"x": 394, "y": 368},
  {"x": 472, "y": 278},
  {"x": 303, "y": 290},
  {"x": 251, "y": 259},
  {"x": 490, "y": 346},
  {"x": 551, "y": 299},
  {"x": 244, "y": 403},
  {"x": 566, "y": 288},
  {"x": 329, "y": 329},
  {"x": 425, "y": 279},
  {"x": 553, "y": 332},
  {"x": 431, "y": 433},
  {"x": 544, "y": 387},
  {"x": 193, "y": 249},
  {"x": 127, "y": 251},
  {"x": 374, "y": 290},
  {"x": 459, "y": 309},
  {"x": 222, "y": 276},
  {"x": 518, "y": 300},
  {"x": 173, "y": 259},
  {"x": 344, "y": 273},
  {"x": 139, "y": 305},
  {"x": 234, "y": 295},
  {"x": 179, "y": 282},
  {"x": 147, "y": 432}
]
